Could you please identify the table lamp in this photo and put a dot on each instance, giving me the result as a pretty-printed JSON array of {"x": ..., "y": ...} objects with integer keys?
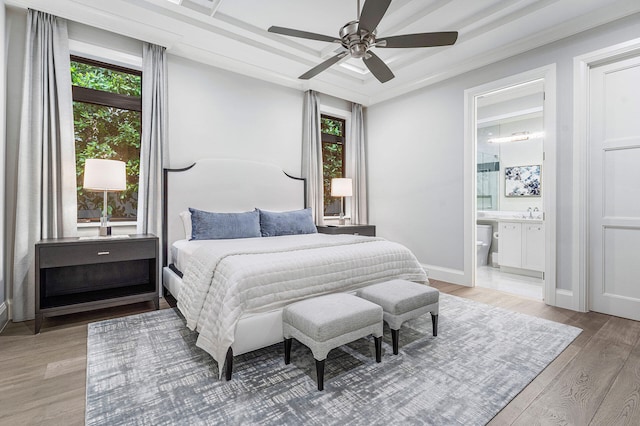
[
  {"x": 106, "y": 176},
  {"x": 341, "y": 187}
]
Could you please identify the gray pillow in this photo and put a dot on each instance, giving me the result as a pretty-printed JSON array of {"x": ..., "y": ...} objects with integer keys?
[
  {"x": 222, "y": 226},
  {"x": 273, "y": 224}
]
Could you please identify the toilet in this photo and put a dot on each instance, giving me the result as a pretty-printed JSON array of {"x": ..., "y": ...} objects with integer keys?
[{"x": 484, "y": 234}]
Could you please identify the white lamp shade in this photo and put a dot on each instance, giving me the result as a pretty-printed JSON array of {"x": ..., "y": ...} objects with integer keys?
[
  {"x": 104, "y": 175},
  {"x": 341, "y": 187}
]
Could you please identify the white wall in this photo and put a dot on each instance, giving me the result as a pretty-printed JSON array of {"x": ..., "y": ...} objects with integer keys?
[
  {"x": 3, "y": 311},
  {"x": 415, "y": 173},
  {"x": 521, "y": 153},
  {"x": 416, "y": 159},
  {"x": 214, "y": 113}
]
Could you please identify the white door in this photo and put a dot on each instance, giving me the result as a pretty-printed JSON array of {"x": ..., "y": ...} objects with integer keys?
[{"x": 614, "y": 188}]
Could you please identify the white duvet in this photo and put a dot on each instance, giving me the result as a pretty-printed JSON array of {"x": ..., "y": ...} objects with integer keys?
[{"x": 225, "y": 279}]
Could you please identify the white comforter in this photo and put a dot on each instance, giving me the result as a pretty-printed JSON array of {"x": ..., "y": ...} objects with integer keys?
[{"x": 226, "y": 279}]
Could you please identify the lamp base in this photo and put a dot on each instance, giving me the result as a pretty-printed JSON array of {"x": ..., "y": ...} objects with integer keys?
[{"x": 105, "y": 231}]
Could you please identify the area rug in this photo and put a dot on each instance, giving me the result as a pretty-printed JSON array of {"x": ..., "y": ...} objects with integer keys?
[{"x": 146, "y": 370}]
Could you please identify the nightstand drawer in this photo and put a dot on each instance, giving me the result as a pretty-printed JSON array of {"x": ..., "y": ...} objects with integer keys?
[{"x": 95, "y": 252}]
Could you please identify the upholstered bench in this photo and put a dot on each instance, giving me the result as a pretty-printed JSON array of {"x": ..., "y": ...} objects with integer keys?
[
  {"x": 327, "y": 322},
  {"x": 401, "y": 301}
]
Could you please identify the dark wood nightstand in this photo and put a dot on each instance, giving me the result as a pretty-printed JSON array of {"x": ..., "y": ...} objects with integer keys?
[
  {"x": 366, "y": 230},
  {"x": 77, "y": 275}
]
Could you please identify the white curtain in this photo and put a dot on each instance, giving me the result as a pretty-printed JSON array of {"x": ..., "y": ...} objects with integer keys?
[
  {"x": 154, "y": 134},
  {"x": 46, "y": 200},
  {"x": 357, "y": 166},
  {"x": 312, "y": 155}
]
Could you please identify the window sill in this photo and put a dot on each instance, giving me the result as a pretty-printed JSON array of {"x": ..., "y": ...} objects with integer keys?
[
  {"x": 112, "y": 224},
  {"x": 330, "y": 220}
]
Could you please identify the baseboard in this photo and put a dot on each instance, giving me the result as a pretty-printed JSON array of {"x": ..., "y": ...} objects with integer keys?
[
  {"x": 564, "y": 299},
  {"x": 4, "y": 316},
  {"x": 453, "y": 276}
]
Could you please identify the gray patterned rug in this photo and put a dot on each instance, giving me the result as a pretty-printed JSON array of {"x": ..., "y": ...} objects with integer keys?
[{"x": 146, "y": 370}]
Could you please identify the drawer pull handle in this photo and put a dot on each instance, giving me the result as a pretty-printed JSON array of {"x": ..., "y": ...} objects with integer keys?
[{"x": 102, "y": 253}]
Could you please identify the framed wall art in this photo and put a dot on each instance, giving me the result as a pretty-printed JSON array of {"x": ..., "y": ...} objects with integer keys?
[{"x": 522, "y": 181}]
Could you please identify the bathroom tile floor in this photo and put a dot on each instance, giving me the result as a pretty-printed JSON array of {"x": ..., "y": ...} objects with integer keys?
[{"x": 520, "y": 285}]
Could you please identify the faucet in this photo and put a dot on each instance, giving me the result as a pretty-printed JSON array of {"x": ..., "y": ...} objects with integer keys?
[
  {"x": 530, "y": 213},
  {"x": 535, "y": 209}
]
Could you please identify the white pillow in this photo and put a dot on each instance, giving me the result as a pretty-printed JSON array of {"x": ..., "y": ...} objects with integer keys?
[{"x": 186, "y": 223}]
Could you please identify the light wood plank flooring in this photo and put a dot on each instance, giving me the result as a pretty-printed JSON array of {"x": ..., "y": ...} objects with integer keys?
[{"x": 596, "y": 380}]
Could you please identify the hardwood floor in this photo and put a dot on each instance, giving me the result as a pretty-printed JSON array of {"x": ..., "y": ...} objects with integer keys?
[{"x": 596, "y": 380}]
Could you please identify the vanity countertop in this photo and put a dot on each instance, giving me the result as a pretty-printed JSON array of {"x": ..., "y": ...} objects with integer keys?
[
  {"x": 500, "y": 216},
  {"x": 519, "y": 220}
]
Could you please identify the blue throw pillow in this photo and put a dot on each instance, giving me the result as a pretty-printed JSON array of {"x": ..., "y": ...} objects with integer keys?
[
  {"x": 221, "y": 226},
  {"x": 273, "y": 224}
]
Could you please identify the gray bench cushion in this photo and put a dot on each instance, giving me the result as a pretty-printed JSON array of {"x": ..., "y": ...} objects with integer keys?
[
  {"x": 399, "y": 296},
  {"x": 327, "y": 322},
  {"x": 402, "y": 300},
  {"x": 325, "y": 317}
]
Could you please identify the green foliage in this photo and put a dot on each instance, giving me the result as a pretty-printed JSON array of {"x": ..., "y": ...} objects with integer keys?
[
  {"x": 109, "y": 133},
  {"x": 105, "y": 79},
  {"x": 331, "y": 168},
  {"x": 331, "y": 127}
]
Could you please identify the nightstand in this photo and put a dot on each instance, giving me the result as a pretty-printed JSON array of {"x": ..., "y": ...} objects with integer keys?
[
  {"x": 366, "y": 230},
  {"x": 77, "y": 275}
]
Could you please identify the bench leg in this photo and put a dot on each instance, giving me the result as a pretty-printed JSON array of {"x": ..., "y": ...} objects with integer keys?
[
  {"x": 434, "y": 322},
  {"x": 378, "y": 341},
  {"x": 320, "y": 374},
  {"x": 287, "y": 351},
  {"x": 395, "y": 336},
  {"x": 229, "y": 364}
]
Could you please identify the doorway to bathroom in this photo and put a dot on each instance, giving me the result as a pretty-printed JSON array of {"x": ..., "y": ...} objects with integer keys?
[{"x": 513, "y": 174}]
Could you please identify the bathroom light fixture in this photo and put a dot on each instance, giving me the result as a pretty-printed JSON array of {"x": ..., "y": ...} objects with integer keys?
[
  {"x": 521, "y": 136},
  {"x": 341, "y": 187},
  {"x": 104, "y": 175}
]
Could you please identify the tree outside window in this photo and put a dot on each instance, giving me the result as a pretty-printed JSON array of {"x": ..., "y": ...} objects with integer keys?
[
  {"x": 332, "y": 133},
  {"x": 107, "y": 106}
]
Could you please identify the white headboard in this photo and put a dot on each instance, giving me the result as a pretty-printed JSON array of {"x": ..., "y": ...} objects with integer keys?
[{"x": 226, "y": 186}]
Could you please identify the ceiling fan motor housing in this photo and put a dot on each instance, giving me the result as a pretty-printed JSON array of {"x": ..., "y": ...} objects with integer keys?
[{"x": 357, "y": 42}]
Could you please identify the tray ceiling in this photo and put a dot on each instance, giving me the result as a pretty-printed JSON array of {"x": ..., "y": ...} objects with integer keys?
[{"x": 232, "y": 34}]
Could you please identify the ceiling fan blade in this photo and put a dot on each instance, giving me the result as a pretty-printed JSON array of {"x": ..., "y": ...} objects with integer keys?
[
  {"x": 372, "y": 13},
  {"x": 378, "y": 68},
  {"x": 322, "y": 66},
  {"x": 302, "y": 34},
  {"x": 445, "y": 38}
]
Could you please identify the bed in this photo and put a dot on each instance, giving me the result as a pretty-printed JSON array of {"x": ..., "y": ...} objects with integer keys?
[{"x": 232, "y": 291}]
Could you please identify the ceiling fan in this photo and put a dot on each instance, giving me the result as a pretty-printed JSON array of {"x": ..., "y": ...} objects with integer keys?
[{"x": 358, "y": 37}]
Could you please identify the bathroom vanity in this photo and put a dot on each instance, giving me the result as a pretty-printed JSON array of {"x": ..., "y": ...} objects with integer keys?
[
  {"x": 520, "y": 241},
  {"x": 521, "y": 244}
]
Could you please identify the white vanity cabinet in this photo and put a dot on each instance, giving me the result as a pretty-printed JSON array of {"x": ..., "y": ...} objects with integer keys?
[
  {"x": 510, "y": 244},
  {"x": 533, "y": 246},
  {"x": 521, "y": 245}
]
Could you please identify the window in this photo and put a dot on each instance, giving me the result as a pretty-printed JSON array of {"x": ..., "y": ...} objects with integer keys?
[
  {"x": 107, "y": 113},
  {"x": 332, "y": 132}
]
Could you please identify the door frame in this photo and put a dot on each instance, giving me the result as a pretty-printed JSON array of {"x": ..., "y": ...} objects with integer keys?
[
  {"x": 578, "y": 298},
  {"x": 548, "y": 74}
]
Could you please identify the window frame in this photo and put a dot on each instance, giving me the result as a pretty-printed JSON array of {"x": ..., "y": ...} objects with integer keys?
[
  {"x": 99, "y": 97},
  {"x": 333, "y": 139},
  {"x": 108, "y": 99}
]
